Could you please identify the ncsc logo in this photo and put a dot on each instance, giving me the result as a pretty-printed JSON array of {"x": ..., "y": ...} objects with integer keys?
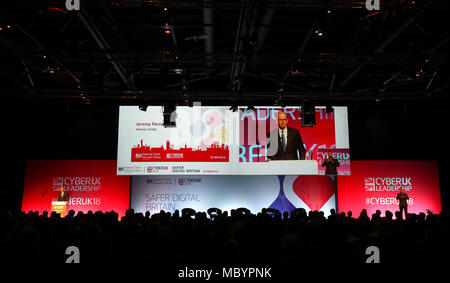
[{"x": 369, "y": 184}]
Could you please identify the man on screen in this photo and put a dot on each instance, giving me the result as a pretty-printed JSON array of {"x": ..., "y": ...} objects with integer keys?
[
  {"x": 290, "y": 143},
  {"x": 63, "y": 196}
]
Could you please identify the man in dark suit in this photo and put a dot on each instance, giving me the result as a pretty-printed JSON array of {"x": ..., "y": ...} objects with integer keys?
[
  {"x": 289, "y": 143},
  {"x": 63, "y": 196},
  {"x": 330, "y": 164},
  {"x": 402, "y": 202}
]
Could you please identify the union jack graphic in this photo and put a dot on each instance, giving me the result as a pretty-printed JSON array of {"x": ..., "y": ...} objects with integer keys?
[
  {"x": 369, "y": 184},
  {"x": 57, "y": 183}
]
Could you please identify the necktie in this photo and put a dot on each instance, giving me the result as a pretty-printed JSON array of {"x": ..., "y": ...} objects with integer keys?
[{"x": 283, "y": 140}]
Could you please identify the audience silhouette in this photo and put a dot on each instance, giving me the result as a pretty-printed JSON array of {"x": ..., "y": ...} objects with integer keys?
[{"x": 218, "y": 237}]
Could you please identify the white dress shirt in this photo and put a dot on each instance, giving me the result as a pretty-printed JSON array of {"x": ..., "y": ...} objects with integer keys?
[{"x": 280, "y": 132}]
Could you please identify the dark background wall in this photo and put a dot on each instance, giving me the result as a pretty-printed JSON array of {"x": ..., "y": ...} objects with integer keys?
[{"x": 67, "y": 130}]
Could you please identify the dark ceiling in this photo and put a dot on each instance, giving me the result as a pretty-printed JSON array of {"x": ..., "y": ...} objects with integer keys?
[{"x": 223, "y": 52}]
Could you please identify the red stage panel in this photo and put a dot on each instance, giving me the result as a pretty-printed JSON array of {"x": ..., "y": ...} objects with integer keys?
[
  {"x": 91, "y": 184},
  {"x": 374, "y": 185}
]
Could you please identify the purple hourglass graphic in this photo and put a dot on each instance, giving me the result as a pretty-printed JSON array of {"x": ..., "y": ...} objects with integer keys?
[{"x": 281, "y": 202}]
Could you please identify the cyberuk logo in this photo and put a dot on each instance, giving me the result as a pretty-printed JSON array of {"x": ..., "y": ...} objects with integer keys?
[
  {"x": 387, "y": 184},
  {"x": 156, "y": 169},
  {"x": 78, "y": 183},
  {"x": 188, "y": 181}
]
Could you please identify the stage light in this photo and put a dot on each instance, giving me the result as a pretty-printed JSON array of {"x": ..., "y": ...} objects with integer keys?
[
  {"x": 178, "y": 71},
  {"x": 49, "y": 70},
  {"x": 143, "y": 107},
  {"x": 167, "y": 29},
  {"x": 188, "y": 102},
  {"x": 4, "y": 28},
  {"x": 279, "y": 101},
  {"x": 419, "y": 73},
  {"x": 281, "y": 87},
  {"x": 251, "y": 108},
  {"x": 329, "y": 109},
  {"x": 308, "y": 114},
  {"x": 319, "y": 32},
  {"x": 169, "y": 115}
]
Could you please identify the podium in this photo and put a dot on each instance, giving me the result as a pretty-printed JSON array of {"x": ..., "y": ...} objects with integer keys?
[{"x": 59, "y": 207}]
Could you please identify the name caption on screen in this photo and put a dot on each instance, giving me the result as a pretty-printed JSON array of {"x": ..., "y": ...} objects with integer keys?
[{"x": 232, "y": 272}]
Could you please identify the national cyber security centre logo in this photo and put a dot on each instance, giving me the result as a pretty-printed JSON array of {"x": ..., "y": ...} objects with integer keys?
[
  {"x": 180, "y": 181},
  {"x": 387, "y": 184}
]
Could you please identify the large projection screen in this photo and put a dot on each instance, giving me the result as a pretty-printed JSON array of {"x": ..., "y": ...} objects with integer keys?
[
  {"x": 211, "y": 140},
  {"x": 284, "y": 193}
]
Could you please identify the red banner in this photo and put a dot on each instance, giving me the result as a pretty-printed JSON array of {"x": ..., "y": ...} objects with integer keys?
[
  {"x": 375, "y": 184},
  {"x": 91, "y": 185}
]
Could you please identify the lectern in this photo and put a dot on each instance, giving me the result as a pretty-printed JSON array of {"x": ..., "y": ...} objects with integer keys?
[{"x": 59, "y": 207}]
